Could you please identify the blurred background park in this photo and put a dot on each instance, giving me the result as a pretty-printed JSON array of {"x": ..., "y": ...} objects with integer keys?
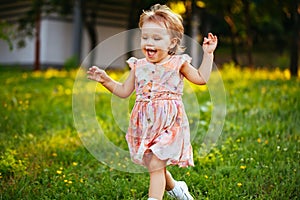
[
  {"x": 43, "y": 34},
  {"x": 43, "y": 43}
]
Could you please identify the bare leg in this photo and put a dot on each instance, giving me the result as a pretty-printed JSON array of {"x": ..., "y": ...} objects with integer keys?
[
  {"x": 157, "y": 184},
  {"x": 157, "y": 171},
  {"x": 170, "y": 182}
]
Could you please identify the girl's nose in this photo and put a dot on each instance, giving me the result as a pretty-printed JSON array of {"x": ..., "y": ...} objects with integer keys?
[{"x": 150, "y": 42}]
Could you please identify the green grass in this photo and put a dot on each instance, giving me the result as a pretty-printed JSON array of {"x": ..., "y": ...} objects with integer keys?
[{"x": 42, "y": 156}]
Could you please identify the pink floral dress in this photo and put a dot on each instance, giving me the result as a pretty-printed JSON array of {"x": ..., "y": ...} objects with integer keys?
[{"x": 158, "y": 120}]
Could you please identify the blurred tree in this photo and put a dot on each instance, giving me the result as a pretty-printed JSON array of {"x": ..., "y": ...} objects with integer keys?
[
  {"x": 5, "y": 33},
  {"x": 77, "y": 31},
  {"x": 230, "y": 12},
  {"x": 291, "y": 9},
  {"x": 248, "y": 11},
  {"x": 280, "y": 23},
  {"x": 250, "y": 23},
  {"x": 29, "y": 25},
  {"x": 269, "y": 24},
  {"x": 85, "y": 12}
]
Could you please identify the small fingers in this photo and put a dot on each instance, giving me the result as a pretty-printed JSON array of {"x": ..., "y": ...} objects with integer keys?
[
  {"x": 215, "y": 38},
  {"x": 93, "y": 69},
  {"x": 211, "y": 36},
  {"x": 94, "y": 73},
  {"x": 206, "y": 40},
  {"x": 210, "y": 39}
]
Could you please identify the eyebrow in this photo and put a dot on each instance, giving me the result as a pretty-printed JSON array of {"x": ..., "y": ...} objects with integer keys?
[{"x": 154, "y": 35}]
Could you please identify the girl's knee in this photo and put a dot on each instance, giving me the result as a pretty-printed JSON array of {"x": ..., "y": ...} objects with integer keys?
[{"x": 155, "y": 164}]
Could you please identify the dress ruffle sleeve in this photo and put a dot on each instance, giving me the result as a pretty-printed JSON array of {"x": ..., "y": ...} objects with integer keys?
[
  {"x": 186, "y": 57},
  {"x": 132, "y": 62}
]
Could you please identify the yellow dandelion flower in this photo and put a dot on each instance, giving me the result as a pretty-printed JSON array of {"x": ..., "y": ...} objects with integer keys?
[
  {"x": 266, "y": 142},
  {"x": 81, "y": 180},
  {"x": 54, "y": 154},
  {"x": 188, "y": 174},
  {"x": 58, "y": 171},
  {"x": 206, "y": 176},
  {"x": 70, "y": 182},
  {"x": 239, "y": 184},
  {"x": 259, "y": 140},
  {"x": 287, "y": 74},
  {"x": 243, "y": 167},
  {"x": 65, "y": 180},
  {"x": 68, "y": 91},
  {"x": 74, "y": 163}
]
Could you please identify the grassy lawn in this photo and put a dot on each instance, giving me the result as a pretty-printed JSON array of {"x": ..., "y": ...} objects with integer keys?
[{"x": 42, "y": 156}]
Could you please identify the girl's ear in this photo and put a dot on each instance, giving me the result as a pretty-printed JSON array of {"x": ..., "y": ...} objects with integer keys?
[
  {"x": 173, "y": 43},
  {"x": 172, "y": 48}
]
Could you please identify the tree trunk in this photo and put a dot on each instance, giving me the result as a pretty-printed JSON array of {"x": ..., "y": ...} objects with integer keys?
[
  {"x": 91, "y": 29},
  {"x": 132, "y": 23},
  {"x": 77, "y": 30},
  {"x": 249, "y": 39},
  {"x": 294, "y": 41},
  {"x": 195, "y": 24},
  {"x": 233, "y": 33},
  {"x": 188, "y": 21},
  {"x": 233, "y": 49},
  {"x": 91, "y": 24},
  {"x": 37, "y": 65}
]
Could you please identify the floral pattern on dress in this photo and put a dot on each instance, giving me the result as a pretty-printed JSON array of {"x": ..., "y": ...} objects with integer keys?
[{"x": 158, "y": 120}]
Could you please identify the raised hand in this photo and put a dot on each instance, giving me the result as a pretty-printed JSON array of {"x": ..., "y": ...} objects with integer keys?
[
  {"x": 96, "y": 74},
  {"x": 210, "y": 43}
]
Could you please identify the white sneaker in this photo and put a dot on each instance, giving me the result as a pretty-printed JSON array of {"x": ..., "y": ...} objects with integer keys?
[{"x": 180, "y": 191}]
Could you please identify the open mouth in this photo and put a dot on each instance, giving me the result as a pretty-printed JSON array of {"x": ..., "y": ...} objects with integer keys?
[{"x": 150, "y": 52}]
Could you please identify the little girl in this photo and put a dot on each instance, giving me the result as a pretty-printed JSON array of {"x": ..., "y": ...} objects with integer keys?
[{"x": 158, "y": 133}]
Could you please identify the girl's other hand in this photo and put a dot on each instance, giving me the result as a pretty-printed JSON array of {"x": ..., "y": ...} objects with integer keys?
[
  {"x": 96, "y": 74},
  {"x": 210, "y": 43}
]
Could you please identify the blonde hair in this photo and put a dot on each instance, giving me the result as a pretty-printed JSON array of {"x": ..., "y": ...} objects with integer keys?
[{"x": 173, "y": 22}]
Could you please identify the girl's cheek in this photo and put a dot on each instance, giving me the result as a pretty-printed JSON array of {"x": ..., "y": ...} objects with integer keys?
[{"x": 143, "y": 44}]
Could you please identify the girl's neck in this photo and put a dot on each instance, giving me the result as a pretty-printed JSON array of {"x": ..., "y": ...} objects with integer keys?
[{"x": 164, "y": 60}]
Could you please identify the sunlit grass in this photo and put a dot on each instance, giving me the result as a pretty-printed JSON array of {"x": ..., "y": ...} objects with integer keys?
[{"x": 256, "y": 157}]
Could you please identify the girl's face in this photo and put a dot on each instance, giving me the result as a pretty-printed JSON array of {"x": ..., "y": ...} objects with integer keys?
[{"x": 156, "y": 42}]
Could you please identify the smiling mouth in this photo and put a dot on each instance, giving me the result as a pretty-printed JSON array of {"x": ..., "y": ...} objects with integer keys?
[{"x": 151, "y": 52}]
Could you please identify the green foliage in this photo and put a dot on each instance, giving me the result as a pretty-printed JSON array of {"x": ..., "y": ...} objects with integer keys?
[
  {"x": 10, "y": 165},
  {"x": 256, "y": 157},
  {"x": 5, "y": 33},
  {"x": 71, "y": 63}
]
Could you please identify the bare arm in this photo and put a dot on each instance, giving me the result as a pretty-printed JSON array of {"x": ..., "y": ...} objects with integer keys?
[
  {"x": 122, "y": 90},
  {"x": 201, "y": 75}
]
